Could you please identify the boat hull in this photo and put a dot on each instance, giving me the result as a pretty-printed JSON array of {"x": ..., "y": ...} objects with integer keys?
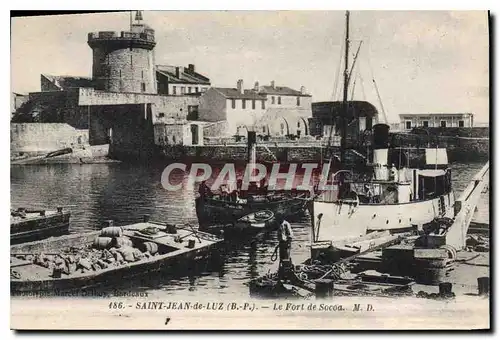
[
  {"x": 169, "y": 261},
  {"x": 40, "y": 227},
  {"x": 342, "y": 220},
  {"x": 210, "y": 211}
]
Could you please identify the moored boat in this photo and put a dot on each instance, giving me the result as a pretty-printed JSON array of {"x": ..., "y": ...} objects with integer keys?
[
  {"x": 246, "y": 226},
  {"x": 34, "y": 224},
  {"x": 396, "y": 189},
  {"x": 215, "y": 209},
  {"x": 257, "y": 221},
  {"x": 93, "y": 258}
]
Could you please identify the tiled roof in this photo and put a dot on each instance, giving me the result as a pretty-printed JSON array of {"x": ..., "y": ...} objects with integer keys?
[
  {"x": 67, "y": 82},
  {"x": 185, "y": 75},
  {"x": 233, "y": 93},
  {"x": 281, "y": 90}
]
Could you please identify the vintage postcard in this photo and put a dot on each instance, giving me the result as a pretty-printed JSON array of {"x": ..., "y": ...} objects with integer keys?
[{"x": 250, "y": 170}]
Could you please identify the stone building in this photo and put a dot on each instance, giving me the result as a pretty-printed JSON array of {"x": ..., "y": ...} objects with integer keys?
[
  {"x": 443, "y": 120},
  {"x": 268, "y": 110},
  {"x": 127, "y": 95},
  {"x": 237, "y": 106},
  {"x": 16, "y": 101},
  {"x": 178, "y": 81}
]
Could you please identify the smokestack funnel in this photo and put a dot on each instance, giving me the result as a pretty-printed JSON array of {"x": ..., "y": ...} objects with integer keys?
[{"x": 239, "y": 85}]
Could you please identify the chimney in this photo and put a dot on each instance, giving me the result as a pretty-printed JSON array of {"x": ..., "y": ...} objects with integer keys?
[
  {"x": 272, "y": 84},
  {"x": 191, "y": 68},
  {"x": 177, "y": 72},
  {"x": 239, "y": 85},
  {"x": 303, "y": 89},
  {"x": 256, "y": 86}
]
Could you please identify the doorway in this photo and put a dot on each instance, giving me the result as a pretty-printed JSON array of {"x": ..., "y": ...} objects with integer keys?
[{"x": 194, "y": 134}]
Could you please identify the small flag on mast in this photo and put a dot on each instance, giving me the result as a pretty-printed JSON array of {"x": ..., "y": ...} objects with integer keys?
[{"x": 138, "y": 15}]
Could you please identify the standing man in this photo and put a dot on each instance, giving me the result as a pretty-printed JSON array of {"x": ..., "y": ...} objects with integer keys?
[{"x": 285, "y": 236}]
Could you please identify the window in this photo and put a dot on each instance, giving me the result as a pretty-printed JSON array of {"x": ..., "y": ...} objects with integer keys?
[
  {"x": 298, "y": 101},
  {"x": 142, "y": 74},
  {"x": 298, "y": 124},
  {"x": 189, "y": 89},
  {"x": 161, "y": 115},
  {"x": 243, "y": 104},
  {"x": 253, "y": 104},
  {"x": 408, "y": 125},
  {"x": 272, "y": 100},
  {"x": 443, "y": 123},
  {"x": 192, "y": 112},
  {"x": 233, "y": 103},
  {"x": 263, "y": 106},
  {"x": 461, "y": 123},
  {"x": 282, "y": 128},
  {"x": 279, "y": 100},
  {"x": 196, "y": 89},
  {"x": 143, "y": 87},
  {"x": 425, "y": 123},
  {"x": 183, "y": 90},
  {"x": 174, "y": 89},
  {"x": 264, "y": 129}
]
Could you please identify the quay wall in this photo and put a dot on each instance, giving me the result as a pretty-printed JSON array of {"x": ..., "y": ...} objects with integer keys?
[
  {"x": 45, "y": 137},
  {"x": 459, "y": 150},
  {"x": 470, "y": 132}
]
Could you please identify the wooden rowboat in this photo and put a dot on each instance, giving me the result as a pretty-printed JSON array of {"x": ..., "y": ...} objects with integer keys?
[
  {"x": 246, "y": 226},
  {"x": 257, "y": 221},
  {"x": 172, "y": 245},
  {"x": 30, "y": 225}
]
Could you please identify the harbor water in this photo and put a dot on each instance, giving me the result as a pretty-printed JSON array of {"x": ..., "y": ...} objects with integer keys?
[{"x": 125, "y": 192}]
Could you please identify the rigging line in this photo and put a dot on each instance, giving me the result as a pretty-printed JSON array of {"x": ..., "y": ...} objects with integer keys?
[
  {"x": 337, "y": 73},
  {"x": 354, "y": 85},
  {"x": 376, "y": 88},
  {"x": 380, "y": 100},
  {"x": 354, "y": 62},
  {"x": 334, "y": 94}
]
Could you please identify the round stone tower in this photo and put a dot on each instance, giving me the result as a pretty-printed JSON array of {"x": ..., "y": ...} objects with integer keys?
[{"x": 124, "y": 61}]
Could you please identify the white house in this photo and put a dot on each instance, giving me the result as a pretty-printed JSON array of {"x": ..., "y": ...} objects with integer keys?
[
  {"x": 269, "y": 110},
  {"x": 237, "y": 106},
  {"x": 409, "y": 121}
]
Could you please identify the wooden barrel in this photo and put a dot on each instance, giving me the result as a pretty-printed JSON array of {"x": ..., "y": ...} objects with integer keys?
[
  {"x": 431, "y": 271},
  {"x": 112, "y": 232},
  {"x": 483, "y": 285},
  {"x": 445, "y": 288},
  {"x": 103, "y": 242},
  {"x": 123, "y": 242},
  {"x": 150, "y": 247},
  {"x": 323, "y": 288}
]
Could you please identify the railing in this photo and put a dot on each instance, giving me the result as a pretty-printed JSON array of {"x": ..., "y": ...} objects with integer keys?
[{"x": 272, "y": 142}]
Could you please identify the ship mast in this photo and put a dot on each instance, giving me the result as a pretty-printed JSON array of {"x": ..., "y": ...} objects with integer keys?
[{"x": 343, "y": 119}]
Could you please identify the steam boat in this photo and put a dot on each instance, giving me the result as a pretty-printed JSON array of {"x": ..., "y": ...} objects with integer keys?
[{"x": 396, "y": 189}]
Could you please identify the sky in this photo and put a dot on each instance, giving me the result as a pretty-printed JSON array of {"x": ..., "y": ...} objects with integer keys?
[{"x": 422, "y": 61}]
